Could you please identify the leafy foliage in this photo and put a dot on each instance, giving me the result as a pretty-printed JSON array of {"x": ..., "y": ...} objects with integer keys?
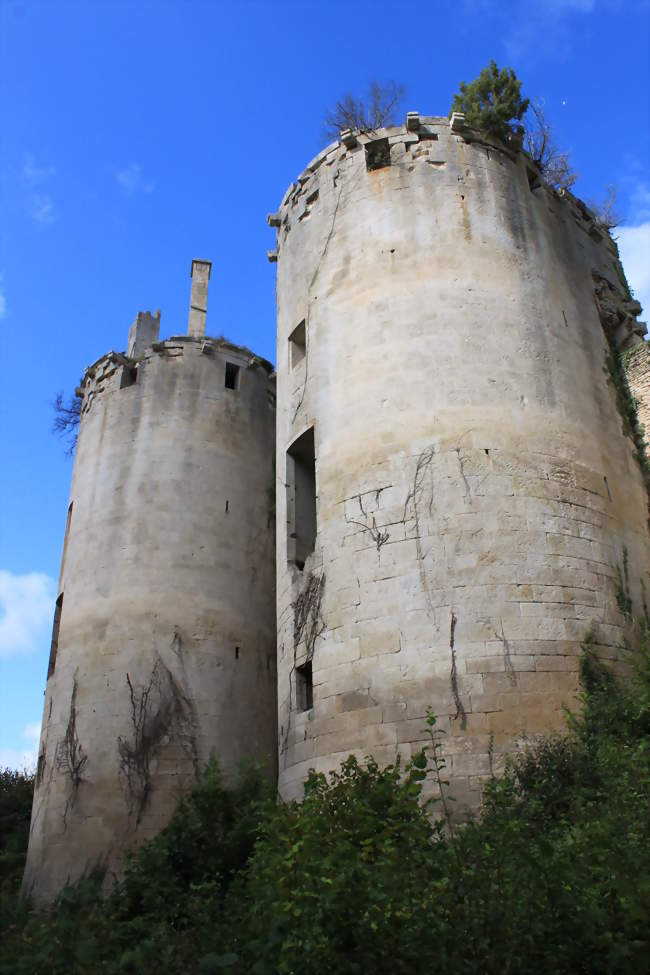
[
  {"x": 492, "y": 102},
  {"x": 16, "y": 794},
  {"x": 553, "y": 877}
]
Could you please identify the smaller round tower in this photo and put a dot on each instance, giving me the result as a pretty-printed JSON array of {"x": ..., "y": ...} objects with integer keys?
[{"x": 163, "y": 647}]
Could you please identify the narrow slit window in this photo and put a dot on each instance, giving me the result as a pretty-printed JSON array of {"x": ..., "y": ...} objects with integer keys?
[
  {"x": 54, "y": 646},
  {"x": 377, "y": 154},
  {"x": 129, "y": 376},
  {"x": 304, "y": 687},
  {"x": 297, "y": 345},
  {"x": 232, "y": 376},
  {"x": 301, "y": 499}
]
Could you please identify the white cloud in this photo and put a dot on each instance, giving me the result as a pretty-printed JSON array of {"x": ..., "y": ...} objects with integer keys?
[
  {"x": 26, "y": 757},
  {"x": 131, "y": 179},
  {"x": 34, "y": 173},
  {"x": 17, "y": 758},
  {"x": 634, "y": 248},
  {"x": 640, "y": 203},
  {"x": 532, "y": 28},
  {"x": 41, "y": 205},
  {"x": 32, "y": 731},
  {"x": 42, "y": 208},
  {"x": 26, "y": 612}
]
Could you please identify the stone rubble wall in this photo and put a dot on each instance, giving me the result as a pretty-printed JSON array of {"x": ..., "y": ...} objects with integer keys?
[{"x": 637, "y": 368}]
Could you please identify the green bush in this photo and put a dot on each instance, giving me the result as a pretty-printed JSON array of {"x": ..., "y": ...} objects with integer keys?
[
  {"x": 16, "y": 794},
  {"x": 553, "y": 877},
  {"x": 492, "y": 102}
]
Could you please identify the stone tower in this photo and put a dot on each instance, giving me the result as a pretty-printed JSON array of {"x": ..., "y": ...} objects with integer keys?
[
  {"x": 457, "y": 500},
  {"x": 163, "y": 650}
]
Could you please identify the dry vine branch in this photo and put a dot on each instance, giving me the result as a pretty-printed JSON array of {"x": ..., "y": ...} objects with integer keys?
[
  {"x": 378, "y": 536},
  {"x": 157, "y": 709},
  {"x": 308, "y": 624},
  {"x": 422, "y": 470},
  {"x": 453, "y": 676},
  {"x": 70, "y": 757}
]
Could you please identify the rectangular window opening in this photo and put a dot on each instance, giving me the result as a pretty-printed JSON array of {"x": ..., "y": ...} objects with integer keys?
[
  {"x": 534, "y": 180},
  {"x": 377, "y": 154},
  {"x": 304, "y": 687},
  {"x": 129, "y": 376},
  {"x": 301, "y": 499},
  {"x": 54, "y": 646},
  {"x": 232, "y": 376},
  {"x": 297, "y": 345}
]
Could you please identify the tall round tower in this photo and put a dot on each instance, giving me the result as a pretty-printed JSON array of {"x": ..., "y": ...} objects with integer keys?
[
  {"x": 163, "y": 650},
  {"x": 457, "y": 501}
]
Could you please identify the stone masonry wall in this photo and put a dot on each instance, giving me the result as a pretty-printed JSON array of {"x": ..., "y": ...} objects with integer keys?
[
  {"x": 474, "y": 490},
  {"x": 166, "y": 642}
]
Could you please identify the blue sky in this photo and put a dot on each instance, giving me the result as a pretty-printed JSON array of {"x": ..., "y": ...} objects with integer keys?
[{"x": 136, "y": 136}]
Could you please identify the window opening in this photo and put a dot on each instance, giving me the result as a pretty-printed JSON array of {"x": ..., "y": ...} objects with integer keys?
[
  {"x": 236, "y": 653},
  {"x": 304, "y": 687},
  {"x": 129, "y": 376},
  {"x": 534, "y": 180},
  {"x": 54, "y": 646},
  {"x": 232, "y": 376},
  {"x": 301, "y": 499},
  {"x": 377, "y": 154},
  {"x": 297, "y": 345}
]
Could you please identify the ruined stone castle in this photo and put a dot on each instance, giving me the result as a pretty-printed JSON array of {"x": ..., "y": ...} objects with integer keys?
[{"x": 440, "y": 503}]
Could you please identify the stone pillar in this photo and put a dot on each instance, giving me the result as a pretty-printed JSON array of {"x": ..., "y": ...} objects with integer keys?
[{"x": 199, "y": 297}]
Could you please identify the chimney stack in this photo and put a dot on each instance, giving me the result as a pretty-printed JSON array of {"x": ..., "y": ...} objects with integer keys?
[{"x": 199, "y": 297}]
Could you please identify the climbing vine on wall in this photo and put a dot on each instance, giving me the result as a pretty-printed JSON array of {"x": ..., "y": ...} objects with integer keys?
[
  {"x": 159, "y": 709},
  {"x": 308, "y": 623},
  {"x": 70, "y": 757}
]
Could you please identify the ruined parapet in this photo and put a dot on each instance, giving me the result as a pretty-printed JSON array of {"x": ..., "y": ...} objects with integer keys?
[
  {"x": 143, "y": 333},
  {"x": 163, "y": 651},
  {"x": 457, "y": 498}
]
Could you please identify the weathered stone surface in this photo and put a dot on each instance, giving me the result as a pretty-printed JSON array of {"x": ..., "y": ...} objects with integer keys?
[
  {"x": 474, "y": 491},
  {"x": 166, "y": 642},
  {"x": 637, "y": 367}
]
